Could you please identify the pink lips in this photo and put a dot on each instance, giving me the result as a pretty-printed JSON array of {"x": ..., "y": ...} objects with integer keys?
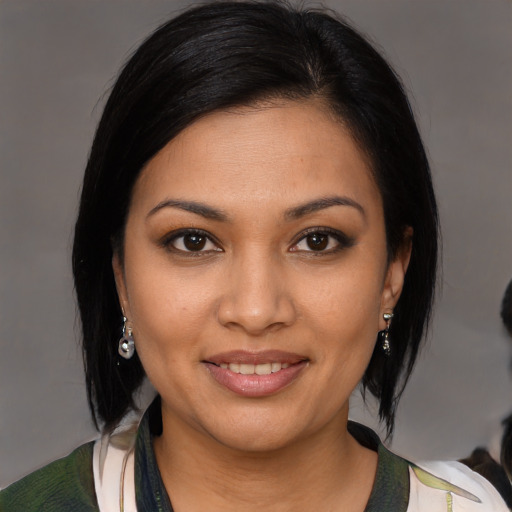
[{"x": 254, "y": 385}]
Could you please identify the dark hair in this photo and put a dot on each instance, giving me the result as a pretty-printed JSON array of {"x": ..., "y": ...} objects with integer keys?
[
  {"x": 228, "y": 54},
  {"x": 506, "y": 308}
]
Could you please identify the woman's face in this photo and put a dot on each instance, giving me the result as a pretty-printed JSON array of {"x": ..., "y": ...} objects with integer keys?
[{"x": 255, "y": 274}]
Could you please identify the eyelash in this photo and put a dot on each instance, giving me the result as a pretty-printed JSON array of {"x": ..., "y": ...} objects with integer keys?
[
  {"x": 343, "y": 241},
  {"x": 168, "y": 240}
]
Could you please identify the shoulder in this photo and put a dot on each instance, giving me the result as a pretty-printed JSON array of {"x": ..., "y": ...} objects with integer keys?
[
  {"x": 66, "y": 484},
  {"x": 443, "y": 485}
]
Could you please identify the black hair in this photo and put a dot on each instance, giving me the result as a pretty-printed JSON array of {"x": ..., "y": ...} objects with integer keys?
[
  {"x": 506, "y": 308},
  {"x": 229, "y": 54}
]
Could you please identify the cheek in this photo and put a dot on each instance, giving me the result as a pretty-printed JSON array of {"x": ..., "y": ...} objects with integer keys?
[
  {"x": 168, "y": 308},
  {"x": 347, "y": 301},
  {"x": 168, "y": 325},
  {"x": 343, "y": 314}
]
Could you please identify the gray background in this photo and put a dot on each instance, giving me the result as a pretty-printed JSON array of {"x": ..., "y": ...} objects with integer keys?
[{"x": 57, "y": 60}]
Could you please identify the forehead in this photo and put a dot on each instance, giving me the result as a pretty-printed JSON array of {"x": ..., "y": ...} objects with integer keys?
[{"x": 291, "y": 151}]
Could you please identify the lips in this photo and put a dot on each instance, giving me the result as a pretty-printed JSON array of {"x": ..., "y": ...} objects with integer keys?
[{"x": 256, "y": 374}]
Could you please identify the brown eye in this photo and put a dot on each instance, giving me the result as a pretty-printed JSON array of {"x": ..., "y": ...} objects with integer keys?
[
  {"x": 317, "y": 241},
  {"x": 323, "y": 240},
  {"x": 189, "y": 241},
  {"x": 194, "y": 242}
]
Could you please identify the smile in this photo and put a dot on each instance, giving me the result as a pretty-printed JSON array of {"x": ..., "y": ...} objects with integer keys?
[
  {"x": 256, "y": 374},
  {"x": 254, "y": 369}
]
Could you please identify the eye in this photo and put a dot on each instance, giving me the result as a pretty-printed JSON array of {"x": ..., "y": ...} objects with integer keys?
[
  {"x": 322, "y": 240},
  {"x": 191, "y": 241}
]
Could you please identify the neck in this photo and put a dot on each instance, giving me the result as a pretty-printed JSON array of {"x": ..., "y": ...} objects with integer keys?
[{"x": 329, "y": 470}]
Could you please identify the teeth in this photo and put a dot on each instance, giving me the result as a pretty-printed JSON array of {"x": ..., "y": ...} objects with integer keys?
[
  {"x": 258, "y": 369},
  {"x": 263, "y": 369},
  {"x": 247, "y": 369},
  {"x": 276, "y": 367}
]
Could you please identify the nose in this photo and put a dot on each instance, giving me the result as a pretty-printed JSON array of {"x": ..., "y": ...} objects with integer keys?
[{"x": 256, "y": 298}]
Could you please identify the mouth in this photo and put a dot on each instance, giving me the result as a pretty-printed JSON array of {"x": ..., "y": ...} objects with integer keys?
[
  {"x": 254, "y": 369},
  {"x": 256, "y": 374}
]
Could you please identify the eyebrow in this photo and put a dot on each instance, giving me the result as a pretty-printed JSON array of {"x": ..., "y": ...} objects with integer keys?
[
  {"x": 321, "y": 204},
  {"x": 191, "y": 206},
  {"x": 297, "y": 212}
]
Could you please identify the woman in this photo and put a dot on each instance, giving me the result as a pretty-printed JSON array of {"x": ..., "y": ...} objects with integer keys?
[{"x": 257, "y": 234}]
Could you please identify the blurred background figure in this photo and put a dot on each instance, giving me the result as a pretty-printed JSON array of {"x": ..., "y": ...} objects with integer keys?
[
  {"x": 481, "y": 460},
  {"x": 506, "y": 442}
]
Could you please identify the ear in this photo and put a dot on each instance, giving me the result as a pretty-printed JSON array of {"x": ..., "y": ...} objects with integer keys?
[
  {"x": 395, "y": 276},
  {"x": 117, "y": 267}
]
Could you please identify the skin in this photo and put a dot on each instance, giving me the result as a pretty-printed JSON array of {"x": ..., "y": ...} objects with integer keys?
[{"x": 258, "y": 285}]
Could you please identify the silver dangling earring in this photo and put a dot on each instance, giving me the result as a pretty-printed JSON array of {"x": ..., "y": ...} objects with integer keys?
[
  {"x": 386, "y": 347},
  {"x": 126, "y": 343}
]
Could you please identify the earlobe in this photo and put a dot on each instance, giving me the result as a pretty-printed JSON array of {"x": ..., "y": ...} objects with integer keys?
[{"x": 395, "y": 276}]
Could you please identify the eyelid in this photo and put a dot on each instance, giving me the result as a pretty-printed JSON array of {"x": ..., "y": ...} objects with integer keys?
[
  {"x": 168, "y": 238},
  {"x": 344, "y": 241}
]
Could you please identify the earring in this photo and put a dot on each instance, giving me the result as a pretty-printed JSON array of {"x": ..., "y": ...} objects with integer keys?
[
  {"x": 126, "y": 343},
  {"x": 386, "y": 347}
]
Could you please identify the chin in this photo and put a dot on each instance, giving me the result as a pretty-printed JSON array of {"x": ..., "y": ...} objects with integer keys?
[
  {"x": 256, "y": 439},
  {"x": 260, "y": 429}
]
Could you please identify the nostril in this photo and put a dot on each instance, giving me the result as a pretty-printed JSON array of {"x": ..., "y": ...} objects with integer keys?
[{"x": 255, "y": 305}]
